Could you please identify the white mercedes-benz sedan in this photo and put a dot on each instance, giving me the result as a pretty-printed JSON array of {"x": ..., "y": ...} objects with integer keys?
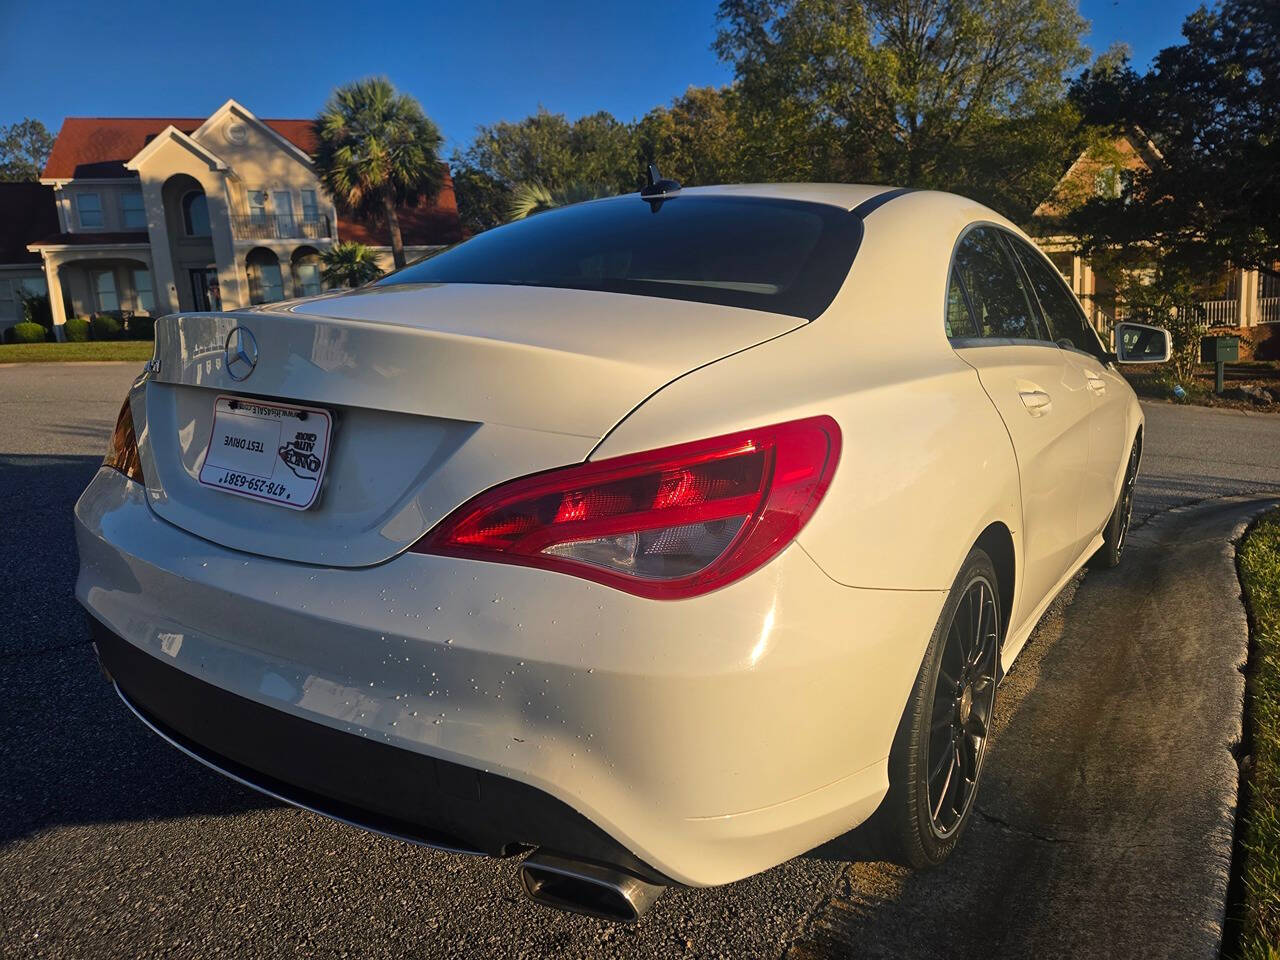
[{"x": 665, "y": 536}]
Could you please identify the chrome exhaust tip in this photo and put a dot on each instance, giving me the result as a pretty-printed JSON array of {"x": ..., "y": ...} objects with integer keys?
[{"x": 587, "y": 888}]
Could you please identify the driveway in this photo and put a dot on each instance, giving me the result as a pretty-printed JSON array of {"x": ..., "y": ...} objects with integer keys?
[
  {"x": 112, "y": 844},
  {"x": 1194, "y": 453}
]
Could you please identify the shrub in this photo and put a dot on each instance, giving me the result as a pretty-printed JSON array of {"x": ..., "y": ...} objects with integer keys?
[
  {"x": 76, "y": 329},
  {"x": 141, "y": 328},
  {"x": 350, "y": 264},
  {"x": 28, "y": 333},
  {"x": 106, "y": 327},
  {"x": 36, "y": 309}
]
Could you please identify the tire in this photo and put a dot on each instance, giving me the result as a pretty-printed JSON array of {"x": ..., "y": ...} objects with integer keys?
[
  {"x": 1115, "y": 534},
  {"x": 925, "y": 813}
]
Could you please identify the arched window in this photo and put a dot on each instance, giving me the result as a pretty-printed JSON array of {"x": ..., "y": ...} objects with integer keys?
[
  {"x": 195, "y": 214},
  {"x": 266, "y": 280},
  {"x": 307, "y": 281}
]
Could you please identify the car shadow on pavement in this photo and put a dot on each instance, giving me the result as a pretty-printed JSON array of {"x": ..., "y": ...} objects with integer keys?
[{"x": 71, "y": 752}]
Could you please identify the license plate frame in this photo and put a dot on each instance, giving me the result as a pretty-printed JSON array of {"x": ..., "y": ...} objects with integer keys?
[{"x": 275, "y": 453}]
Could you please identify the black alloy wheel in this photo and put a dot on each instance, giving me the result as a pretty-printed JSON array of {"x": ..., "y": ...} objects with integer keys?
[
  {"x": 935, "y": 764},
  {"x": 1116, "y": 532},
  {"x": 1125, "y": 506},
  {"x": 963, "y": 703}
]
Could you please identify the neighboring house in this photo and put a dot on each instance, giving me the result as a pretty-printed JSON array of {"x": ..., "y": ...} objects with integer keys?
[
  {"x": 158, "y": 215},
  {"x": 1245, "y": 298},
  {"x": 26, "y": 215}
]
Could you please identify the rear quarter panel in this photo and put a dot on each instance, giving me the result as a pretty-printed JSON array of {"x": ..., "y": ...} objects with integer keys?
[{"x": 927, "y": 463}]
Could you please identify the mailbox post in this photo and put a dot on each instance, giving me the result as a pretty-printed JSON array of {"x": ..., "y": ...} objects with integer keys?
[{"x": 1219, "y": 351}]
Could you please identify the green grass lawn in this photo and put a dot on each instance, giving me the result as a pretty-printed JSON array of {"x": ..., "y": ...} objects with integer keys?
[
  {"x": 139, "y": 350},
  {"x": 1259, "y": 560}
]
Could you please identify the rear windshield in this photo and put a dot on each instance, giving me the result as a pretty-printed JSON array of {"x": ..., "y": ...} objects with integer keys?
[{"x": 783, "y": 256}]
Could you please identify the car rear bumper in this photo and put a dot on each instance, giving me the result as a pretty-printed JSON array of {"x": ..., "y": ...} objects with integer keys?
[
  {"x": 396, "y": 792},
  {"x": 483, "y": 707}
]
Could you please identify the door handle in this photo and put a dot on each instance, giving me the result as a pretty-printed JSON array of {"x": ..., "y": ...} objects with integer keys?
[
  {"x": 1037, "y": 402},
  {"x": 1096, "y": 383}
]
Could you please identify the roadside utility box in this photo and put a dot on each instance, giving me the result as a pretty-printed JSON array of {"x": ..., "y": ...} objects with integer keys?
[{"x": 1224, "y": 349}]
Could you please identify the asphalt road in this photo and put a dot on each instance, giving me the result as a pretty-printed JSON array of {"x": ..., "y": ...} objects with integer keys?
[{"x": 112, "y": 844}]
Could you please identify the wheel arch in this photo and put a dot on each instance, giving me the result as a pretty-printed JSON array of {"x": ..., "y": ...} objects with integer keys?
[{"x": 997, "y": 542}]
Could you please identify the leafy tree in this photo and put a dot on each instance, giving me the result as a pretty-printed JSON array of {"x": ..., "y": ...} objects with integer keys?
[
  {"x": 482, "y": 199},
  {"x": 1212, "y": 196},
  {"x": 377, "y": 150},
  {"x": 24, "y": 150},
  {"x": 1209, "y": 104},
  {"x": 1120, "y": 230},
  {"x": 696, "y": 140},
  {"x": 530, "y": 198},
  {"x": 915, "y": 92},
  {"x": 535, "y": 148},
  {"x": 1155, "y": 288},
  {"x": 545, "y": 149},
  {"x": 1032, "y": 154},
  {"x": 604, "y": 152},
  {"x": 349, "y": 264}
]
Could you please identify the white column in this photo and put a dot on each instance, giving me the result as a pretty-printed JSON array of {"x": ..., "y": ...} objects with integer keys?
[
  {"x": 1248, "y": 298},
  {"x": 56, "y": 307},
  {"x": 1087, "y": 291}
]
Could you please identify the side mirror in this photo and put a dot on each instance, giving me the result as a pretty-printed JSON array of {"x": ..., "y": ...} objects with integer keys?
[{"x": 1140, "y": 343}]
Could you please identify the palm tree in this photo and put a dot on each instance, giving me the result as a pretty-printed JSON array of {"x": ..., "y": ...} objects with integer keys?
[
  {"x": 530, "y": 198},
  {"x": 377, "y": 150},
  {"x": 349, "y": 264}
]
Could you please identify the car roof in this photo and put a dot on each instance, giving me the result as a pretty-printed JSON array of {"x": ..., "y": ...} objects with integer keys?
[
  {"x": 915, "y": 204},
  {"x": 843, "y": 195}
]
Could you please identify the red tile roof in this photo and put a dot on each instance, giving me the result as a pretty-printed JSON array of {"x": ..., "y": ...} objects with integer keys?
[
  {"x": 27, "y": 213},
  {"x": 100, "y": 146},
  {"x": 425, "y": 225}
]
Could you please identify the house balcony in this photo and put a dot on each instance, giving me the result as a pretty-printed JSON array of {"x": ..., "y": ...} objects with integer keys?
[{"x": 280, "y": 227}]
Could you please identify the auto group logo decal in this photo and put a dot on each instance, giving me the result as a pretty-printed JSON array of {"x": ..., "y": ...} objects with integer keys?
[{"x": 299, "y": 456}]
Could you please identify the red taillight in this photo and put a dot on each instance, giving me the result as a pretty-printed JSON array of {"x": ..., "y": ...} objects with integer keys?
[
  {"x": 122, "y": 450},
  {"x": 666, "y": 524}
]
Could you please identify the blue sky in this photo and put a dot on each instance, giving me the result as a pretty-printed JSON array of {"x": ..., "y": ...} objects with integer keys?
[{"x": 469, "y": 63}]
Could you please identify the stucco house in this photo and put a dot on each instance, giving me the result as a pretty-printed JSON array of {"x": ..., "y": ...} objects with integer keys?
[
  {"x": 157, "y": 214},
  {"x": 1246, "y": 299}
]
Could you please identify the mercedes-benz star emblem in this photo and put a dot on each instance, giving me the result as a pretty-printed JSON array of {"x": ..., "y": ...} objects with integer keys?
[{"x": 241, "y": 353}]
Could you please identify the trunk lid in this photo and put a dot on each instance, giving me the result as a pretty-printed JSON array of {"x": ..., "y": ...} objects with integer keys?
[{"x": 435, "y": 393}]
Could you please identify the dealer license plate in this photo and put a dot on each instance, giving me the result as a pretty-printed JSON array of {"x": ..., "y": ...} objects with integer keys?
[{"x": 267, "y": 451}]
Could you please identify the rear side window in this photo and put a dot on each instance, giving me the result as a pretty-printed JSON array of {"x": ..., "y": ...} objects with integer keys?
[
  {"x": 783, "y": 256},
  {"x": 1000, "y": 302},
  {"x": 960, "y": 323},
  {"x": 1061, "y": 311}
]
